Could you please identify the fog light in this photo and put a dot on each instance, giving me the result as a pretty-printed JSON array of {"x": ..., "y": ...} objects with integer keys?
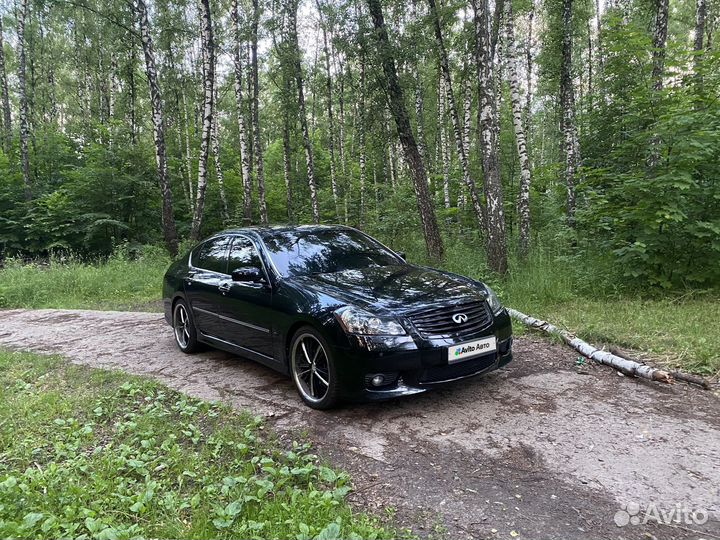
[{"x": 378, "y": 380}]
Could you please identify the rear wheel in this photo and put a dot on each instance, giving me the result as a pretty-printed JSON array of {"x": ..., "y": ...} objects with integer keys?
[
  {"x": 184, "y": 328},
  {"x": 313, "y": 369}
]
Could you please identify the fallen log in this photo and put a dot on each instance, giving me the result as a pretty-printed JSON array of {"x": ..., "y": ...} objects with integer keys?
[
  {"x": 677, "y": 375},
  {"x": 623, "y": 365}
]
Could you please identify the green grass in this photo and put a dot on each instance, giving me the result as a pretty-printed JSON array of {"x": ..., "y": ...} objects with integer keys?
[
  {"x": 88, "y": 453},
  {"x": 117, "y": 283}
]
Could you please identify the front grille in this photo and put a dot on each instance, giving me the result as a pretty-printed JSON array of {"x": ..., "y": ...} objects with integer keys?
[
  {"x": 454, "y": 371},
  {"x": 438, "y": 322}
]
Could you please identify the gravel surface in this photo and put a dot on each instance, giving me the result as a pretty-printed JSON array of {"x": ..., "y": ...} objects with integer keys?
[{"x": 541, "y": 449}]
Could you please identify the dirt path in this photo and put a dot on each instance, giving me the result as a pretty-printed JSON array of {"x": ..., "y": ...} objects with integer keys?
[{"x": 538, "y": 450}]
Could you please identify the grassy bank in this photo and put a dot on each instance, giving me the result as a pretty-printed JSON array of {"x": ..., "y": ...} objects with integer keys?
[
  {"x": 115, "y": 283},
  {"x": 676, "y": 329},
  {"x": 95, "y": 454}
]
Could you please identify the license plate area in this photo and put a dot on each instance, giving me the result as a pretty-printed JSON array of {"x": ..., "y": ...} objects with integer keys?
[{"x": 470, "y": 349}]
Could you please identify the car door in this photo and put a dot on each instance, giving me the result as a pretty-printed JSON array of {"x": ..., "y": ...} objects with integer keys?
[
  {"x": 207, "y": 270},
  {"x": 245, "y": 308}
]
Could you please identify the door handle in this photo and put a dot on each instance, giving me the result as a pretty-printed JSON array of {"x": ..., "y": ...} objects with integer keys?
[{"x": 224, "y": 287}]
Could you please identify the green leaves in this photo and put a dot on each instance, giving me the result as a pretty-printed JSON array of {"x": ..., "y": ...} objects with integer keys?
[{"x": 114, "y": 457}]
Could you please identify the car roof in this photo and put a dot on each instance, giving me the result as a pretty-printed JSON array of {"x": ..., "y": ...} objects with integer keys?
[{"x": 270, "y": 231}]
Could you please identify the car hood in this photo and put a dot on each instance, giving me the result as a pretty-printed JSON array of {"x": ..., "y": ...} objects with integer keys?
[{"x": 399, "y": 288}]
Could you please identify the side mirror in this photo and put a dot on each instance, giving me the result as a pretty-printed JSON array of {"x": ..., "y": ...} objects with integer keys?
[
  {"x": 248, "y": 274},
  {"x": 402, "y": 255}
]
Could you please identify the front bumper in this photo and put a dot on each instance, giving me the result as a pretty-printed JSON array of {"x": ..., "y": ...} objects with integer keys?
[{"x": 411, "y": 364}]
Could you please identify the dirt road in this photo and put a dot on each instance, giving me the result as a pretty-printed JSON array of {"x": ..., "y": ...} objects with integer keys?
[{"x": 541, "y": 449}]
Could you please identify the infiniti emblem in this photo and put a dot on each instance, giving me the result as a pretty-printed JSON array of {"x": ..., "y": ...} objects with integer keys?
[{"x": 460, "y": 318}]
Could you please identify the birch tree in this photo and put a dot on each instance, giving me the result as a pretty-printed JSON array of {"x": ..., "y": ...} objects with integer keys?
[
  {"x": 455, "y": 117},
  {"x": 258, "y": 151},
  {"x": 660, "y": 31},
  {"x": 489, "y": 144},
  {"x": 22, "y": 88},
  {"x": 240, "y": 105},
  {"x": 299, "y": 88},
  {"x": 329, "y": 109},
  {"x": 700, "y": 21},
  {"x": 520, "y": 132},
  {"x": 215, "y": 147},
  {"x": 431, "y": 231},
  {"x": 5, "y": 95},
  {"x": 208, "y": 75},
  {"x": 158, "y": 119},
  {"x": 567, "y": 105}
]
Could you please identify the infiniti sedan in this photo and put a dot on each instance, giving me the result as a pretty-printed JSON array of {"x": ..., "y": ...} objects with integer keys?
[{"x": 346, "y": 317}]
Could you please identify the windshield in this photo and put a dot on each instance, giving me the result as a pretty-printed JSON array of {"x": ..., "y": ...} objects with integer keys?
[{"x": 321, "y": 251}]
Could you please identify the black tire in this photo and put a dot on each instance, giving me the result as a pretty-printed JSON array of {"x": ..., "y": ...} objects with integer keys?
[
  {"x": 313, "y": 369},
  {"x": 184, "y": 328}
]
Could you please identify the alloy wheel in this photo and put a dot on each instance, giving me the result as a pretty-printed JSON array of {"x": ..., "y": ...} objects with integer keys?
[
  {"x": 311, "y": 368},
  {"x": 181, "y": 324}
]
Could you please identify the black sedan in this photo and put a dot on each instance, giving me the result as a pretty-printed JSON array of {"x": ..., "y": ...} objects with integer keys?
[{"x": 343, "y": 315}]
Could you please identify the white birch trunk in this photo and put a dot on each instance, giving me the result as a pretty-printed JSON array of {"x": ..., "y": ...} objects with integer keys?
[
  {"x": 208, "y": 72},
  {"x": 257, "y": 136},
  {"x": 22, "y": 88},
  {"x": 215, "y": 146},
  {"x": 628, "y": 367},
  {"x": 240, "y": 106},
  {"x": 489, "y": 144},
  {"x": 307, "y": 142},
  {"x": 158, "y": 118},
  {"x": 455, "y": 118},
  {"x": 444, "y": 146},
  {"x": 5, "y": 96},
  {"x": 330, "y": 116},
  {"x": 520, "y": 137}
]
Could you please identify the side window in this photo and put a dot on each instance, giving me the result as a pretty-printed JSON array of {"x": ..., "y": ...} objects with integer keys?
[
  {"x": 243, "y": 253},
  {"x": 212, "y": 255}
]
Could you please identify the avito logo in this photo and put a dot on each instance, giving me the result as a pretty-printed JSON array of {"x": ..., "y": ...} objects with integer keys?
[{"x": 471, "y": 348}]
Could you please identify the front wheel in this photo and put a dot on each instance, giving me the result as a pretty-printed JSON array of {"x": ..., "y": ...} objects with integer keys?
[
  {"x": 313, "y": 369},
  {"x": 184, "y": 328}
]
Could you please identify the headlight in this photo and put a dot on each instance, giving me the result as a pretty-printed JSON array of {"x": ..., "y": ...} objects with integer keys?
[
  {"x": 493, "y": 301},
  {"x": 358, "y": 321}
]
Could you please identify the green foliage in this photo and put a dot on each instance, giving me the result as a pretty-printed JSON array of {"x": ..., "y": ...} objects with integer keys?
[
  {"x": 661, "y": 222},
  {"x": 129, "y": 279},
  {"x": 97, "y": 454}
]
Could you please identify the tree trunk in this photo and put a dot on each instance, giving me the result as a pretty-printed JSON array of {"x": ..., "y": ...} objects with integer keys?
[
  {"x": 489, "y": 144},
  {"x": 659, "y": 40},
  {"x": 7, "y": 119},
  {"x": 132, "y": 98},
  {"x": 520, "y": 134},
  {"x": 529, "y": 67},
  {"x": 258, "y": 146},
  {"x": 567, "y": 104},
  {"x": 168, "y": 220},
  {"x": 22, "y": 87},
  {"x": 431, "y": 231},
  {"x": 361, "y": 136},
  {"x": 444, "y": 146},
  {"x": 286, "y": 160},
  {"x": 240, "y": 105},
  {"x": 331, "y": 118},
  {"x": 307, "y": 142},
  {"x": 628, "y": 367},
  {"x": 700, "y": 18},
  {"x": 215, "y": 146},
  {"x": 208, "y": 74},
  {"x": 455, "y": 117},
  {"x": 420, "y": 114}
]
